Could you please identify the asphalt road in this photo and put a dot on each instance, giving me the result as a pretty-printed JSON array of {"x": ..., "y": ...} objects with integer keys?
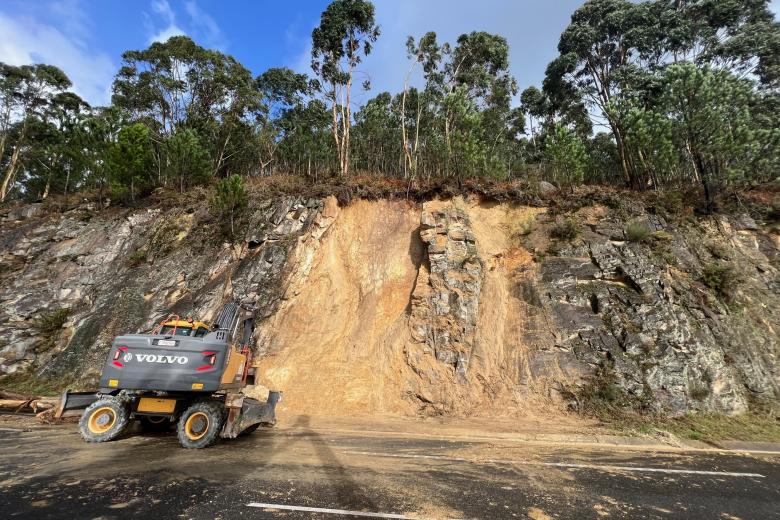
[{"x": 296, "y": 472}]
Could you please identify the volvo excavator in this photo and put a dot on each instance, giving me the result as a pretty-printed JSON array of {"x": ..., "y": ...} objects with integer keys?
[{"x": 184, "y": 374}]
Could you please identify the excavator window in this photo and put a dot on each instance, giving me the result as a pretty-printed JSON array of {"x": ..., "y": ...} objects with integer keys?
[
  {"x": 167, "y": 330},
  {"x": 200, "y": 332}
]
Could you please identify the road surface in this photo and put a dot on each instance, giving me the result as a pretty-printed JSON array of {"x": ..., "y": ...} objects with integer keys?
[{"x": 298, "y": 472}]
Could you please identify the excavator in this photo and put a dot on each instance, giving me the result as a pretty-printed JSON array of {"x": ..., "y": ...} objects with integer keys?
[{"x": 184, "y": 374}]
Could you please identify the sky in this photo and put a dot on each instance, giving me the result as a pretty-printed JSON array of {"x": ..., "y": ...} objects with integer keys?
[{"x": 86, "y": 38}]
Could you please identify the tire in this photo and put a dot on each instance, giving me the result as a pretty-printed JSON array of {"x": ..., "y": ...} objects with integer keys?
[
  {"x": 104, "y": 420},
  {"x": 154, "y": 424},
  {"x": 200, "y": 424},
  {"x": 250, "y": 430}
]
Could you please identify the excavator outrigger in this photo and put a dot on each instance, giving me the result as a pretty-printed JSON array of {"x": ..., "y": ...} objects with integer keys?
[{"x": 182, "y": 373}]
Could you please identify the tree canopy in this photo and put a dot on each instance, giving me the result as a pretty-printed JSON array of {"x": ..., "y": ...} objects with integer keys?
[{"x": 654, "y": 94}]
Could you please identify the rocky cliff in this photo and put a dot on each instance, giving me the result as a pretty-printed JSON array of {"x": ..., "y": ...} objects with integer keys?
[{"x": 446, "y": 307}]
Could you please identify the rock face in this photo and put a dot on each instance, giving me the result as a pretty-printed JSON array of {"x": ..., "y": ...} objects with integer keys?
[
  {"x": 123, "y": 272},
  {"x": 449, "y": 307},
  {"x": 446, "y": 297}
]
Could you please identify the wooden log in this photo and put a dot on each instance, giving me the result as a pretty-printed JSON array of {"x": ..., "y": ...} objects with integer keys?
[
  {"x": 6, "y": 394},
  {"x": 14, "y": 404},
  {"x": 44, "y": 403}
]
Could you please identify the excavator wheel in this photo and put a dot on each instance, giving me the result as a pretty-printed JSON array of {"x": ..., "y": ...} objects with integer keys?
[
  {"x": 104, "y": 420},
  {"x": 153, "y": 424},
  {"x": 200, "y": 424}
]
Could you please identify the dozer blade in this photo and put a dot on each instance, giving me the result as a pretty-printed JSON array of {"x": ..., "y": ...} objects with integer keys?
[
  {"x": 245, "y": 411},
  {"x": 74, "y": 401}
]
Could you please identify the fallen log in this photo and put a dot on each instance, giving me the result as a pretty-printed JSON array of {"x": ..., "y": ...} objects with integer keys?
[
  {"x": 15, "y": 405},
  {"x": 44, "y": 403},
  {"x": 6, "y": 394}
]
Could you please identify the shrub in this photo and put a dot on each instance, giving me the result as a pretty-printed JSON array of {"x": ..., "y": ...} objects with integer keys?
[
  {"x": 720, "y": 277},
  {"x": 52, "y": 321},
  {"x": 49, "y": 325},
  {"x": 637, "y": 231},
  {"x": 523, "y": 227},
  {"x": 136, "y": 258},
  {"x": 566, "y": 229}
]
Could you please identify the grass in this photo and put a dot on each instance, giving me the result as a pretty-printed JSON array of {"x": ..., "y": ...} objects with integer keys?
[
  {"x": 713, "y": 427},
  {"x": 522, "y": 227},
  {"x": 137, "y": 257},
  {"x": 51, "y": 322},
  {"x": 49, "y": 325},
  {"x": 566, "y": 229},
  {"x": 28, "y": 384},
  {"x": 637, "y": 231},
  {"x": 603, "y": 399}
]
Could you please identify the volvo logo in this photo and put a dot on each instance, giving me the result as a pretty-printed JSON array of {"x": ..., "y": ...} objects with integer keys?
[
  {"x": 127, "y": 357},
  {"x": 159, "y": 358}
]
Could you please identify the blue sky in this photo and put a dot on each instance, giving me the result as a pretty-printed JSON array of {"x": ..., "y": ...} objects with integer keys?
[{"x": 87, "y": 37}]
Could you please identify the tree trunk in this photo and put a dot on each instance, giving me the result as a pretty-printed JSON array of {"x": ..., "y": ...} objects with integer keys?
[{"x": 10, "y": 174}]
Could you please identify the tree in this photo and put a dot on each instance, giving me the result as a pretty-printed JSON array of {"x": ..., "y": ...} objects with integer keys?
[
  {"x": 178, "y": 84},
  {"x": 230, "y": 199},
  {"x": 281, "y": 91},
  {"x": 130, "y": 160},
  {"x": 346, "y": 33},
  {"x": 188, "y": 161},
  {"x": 25, "y": 94},
  {"x": 566, "y": 155},
  {"x": 711, "y": 123},
  {"x": 533, "y": 103}
]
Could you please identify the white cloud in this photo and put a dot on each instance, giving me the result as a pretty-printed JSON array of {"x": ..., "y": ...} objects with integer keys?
[
  {"x": 27, "y": 41},
  {"x": 168, "y": 32},
  {"x": 164, "y": 23},
  {"x": 165, "y": 14},
  {"x": 531, "y": 27},
  {"x": 205, "y": 24}
]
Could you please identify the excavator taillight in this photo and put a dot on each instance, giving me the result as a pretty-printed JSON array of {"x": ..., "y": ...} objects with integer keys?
[
  {"x": 210, "y": 358},
  {"x": 119, "y": 351}
]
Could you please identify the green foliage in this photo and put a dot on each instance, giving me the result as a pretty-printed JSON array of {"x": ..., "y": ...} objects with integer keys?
[
  {"x": 566, "y": 154},
  {"x": 188, "y": 161},
  {"x": 566, "y": 229},
  {"x": 51, "y": 322},
  {"x": 721, "y": 277},
  {"x": 49, "y": 325},
  {"x": 230, "y": 199},
  {"x": 637, "y": 231},
  {"x": 602, "y": 397},
  {"x": 137, "y": 257},
  {"x": 686, "y": 93},
  {"x": 130, "y": 161}
]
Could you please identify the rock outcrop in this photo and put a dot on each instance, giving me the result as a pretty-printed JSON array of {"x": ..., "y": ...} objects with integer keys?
[
  {"x": 445, "y": 301},
  {"x": 448, "y": 307}
]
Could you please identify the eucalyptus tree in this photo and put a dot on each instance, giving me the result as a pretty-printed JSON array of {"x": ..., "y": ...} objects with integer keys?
[
  {"x": 26, "y": 94},
  {"x": 345, "y": 35},
  {"x": 281, "y": 90},
  {"x": 177, "y": 84},
  {"x": 377, "y": 134}
]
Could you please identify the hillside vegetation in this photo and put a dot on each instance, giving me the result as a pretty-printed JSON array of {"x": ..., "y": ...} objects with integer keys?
[{"x": 659, "y": 94}]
